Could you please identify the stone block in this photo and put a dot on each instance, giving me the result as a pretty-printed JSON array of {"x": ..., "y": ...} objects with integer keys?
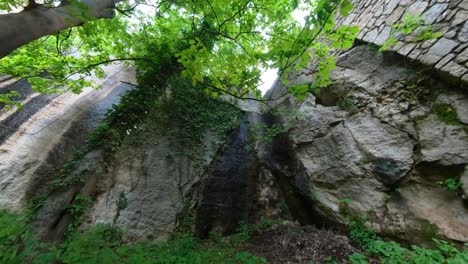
[
  {"x": 371, "y": 35},
  {"x": 405, "y": 50},
  {"x": 392, "y": 4},
  {"x": 395, "y": 16},
  {"x": 434, "y": 13},
  {"x": 462, "y": 57},
  {"x": 463, "y": 34},
  {"x": 442, "y": 47},
  {"x": 444, "y": 61},
  {"x": 463, "y": 5},
  {"x": 417, "y": 8},
  {"x": 454, "y": 69},
  {"x": 383, "y": 35},
  {"x": 460, "y": 17}
]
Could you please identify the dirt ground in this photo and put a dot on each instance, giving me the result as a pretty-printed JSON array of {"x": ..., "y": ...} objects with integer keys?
[{"x": 301, "y": 244}]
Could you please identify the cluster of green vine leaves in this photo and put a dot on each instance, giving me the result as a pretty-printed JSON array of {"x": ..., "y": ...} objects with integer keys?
[
  {"x": 227, "y": 42},
  {"x": 408, "y": 27}
]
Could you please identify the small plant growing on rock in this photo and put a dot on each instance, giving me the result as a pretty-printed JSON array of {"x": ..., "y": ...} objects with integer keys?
[
  {"x": 77, "y": 210},
  {"x": 392, "y": 252},
  {"x": 122, "y": 201},
  {"x": 405, "y": 28},
  {"x": 345, "y": 201},
  {"x": 451, "y": 184},
  {"x": 446, "y": 113}
]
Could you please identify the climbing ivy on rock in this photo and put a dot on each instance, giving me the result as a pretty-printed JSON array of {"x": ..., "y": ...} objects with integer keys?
[{"x": 187, "y": 114}]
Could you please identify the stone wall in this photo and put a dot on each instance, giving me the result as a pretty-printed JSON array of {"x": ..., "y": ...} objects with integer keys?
[{"x": 449, "y": 53}]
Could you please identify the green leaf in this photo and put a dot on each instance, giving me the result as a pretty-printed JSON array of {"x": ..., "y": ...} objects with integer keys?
[
  {"x": 299, "y": 91},
  {"x": 345, "y": 7}
]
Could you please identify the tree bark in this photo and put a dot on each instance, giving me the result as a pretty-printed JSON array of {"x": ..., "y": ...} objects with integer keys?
[{"x": 18, "y": 29}]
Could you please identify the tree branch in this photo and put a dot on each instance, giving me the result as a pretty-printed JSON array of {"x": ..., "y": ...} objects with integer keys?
[{"x": 18, "y": 29}]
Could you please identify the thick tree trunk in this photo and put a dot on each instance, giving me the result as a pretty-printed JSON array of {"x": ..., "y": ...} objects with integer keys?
[{"x": 17, "y": 29}]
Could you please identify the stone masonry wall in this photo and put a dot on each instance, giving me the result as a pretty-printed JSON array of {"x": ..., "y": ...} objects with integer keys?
[{"x": 448, "y": 54}]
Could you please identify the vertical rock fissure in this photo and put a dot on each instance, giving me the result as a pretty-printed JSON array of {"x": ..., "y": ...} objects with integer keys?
[
  {"x": 229, "y": 189},
  {"x": 279, "y": 158}
]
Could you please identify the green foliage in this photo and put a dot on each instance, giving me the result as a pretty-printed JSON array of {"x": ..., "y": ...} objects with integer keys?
[
  {"x": 122, "y": 201},
  {"x": 358, "y": 258},
  {"x": 345, "y": 201},
  {"x": 299, "y": 91},
  {"x": 9, "y": 5},
  {"x": 347, "y": 103},
  {"x": 390, "y": 252},
  {"x": 10, "y": 230},
  {"x": 330, "y": 260},
  {"x": 345, "y": 8},
  {"x": 218, "y": 43},
  {"x": 7, "y": 99},
  {"x": 244, "y": 231},
  {"x": 360, "y": 232},
  {"x": 451, "y": 184},
  {"x": 427, "y": 33},
  {"x": 446, "y": 113},
  {"x": 410, "y": 24},
  {"x": 265, "y": 134},
  {"x": 187, "y": 113},
  {"x": 104, "y": 244},
  {"x": 17, "y": 244},
  {"x": 77, "y": 210}
]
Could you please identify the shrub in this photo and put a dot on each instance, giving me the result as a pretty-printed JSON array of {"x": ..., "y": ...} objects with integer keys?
[
  {"x": 393, "y": 253},
  {"x": 104, "y": 244}
]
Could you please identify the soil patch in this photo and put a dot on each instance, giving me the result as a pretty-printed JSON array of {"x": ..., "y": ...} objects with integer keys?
[{"x": 301, "y": 244}]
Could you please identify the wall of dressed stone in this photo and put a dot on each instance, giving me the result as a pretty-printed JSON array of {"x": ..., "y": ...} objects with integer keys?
[{"x": 448, "y": 53}]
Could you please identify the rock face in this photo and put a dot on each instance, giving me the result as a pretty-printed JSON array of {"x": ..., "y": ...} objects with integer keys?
[
  {"x": 147, "y": 187},
  {"x": 228, "y": 193},
  {"x": 152, "y": 188},
  {"x": 388, "y": 145},
  {"x": 386, "y": 140},
  {"x": 382, "y": 142},
  {"x": 37, "y": 140}
]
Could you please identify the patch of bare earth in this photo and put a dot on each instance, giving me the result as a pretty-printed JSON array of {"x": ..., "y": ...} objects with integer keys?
[{"x": 300, "y": 244}]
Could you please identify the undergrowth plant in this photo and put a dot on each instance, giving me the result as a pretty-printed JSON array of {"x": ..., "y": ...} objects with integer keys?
[
  {"x": 103, "y": 244},
  {"x": 244, "y": 231},
  {"x": 391, "y": 252},
  {"x": 451, "y": 184},
  {"x": 77, "y": 210}
]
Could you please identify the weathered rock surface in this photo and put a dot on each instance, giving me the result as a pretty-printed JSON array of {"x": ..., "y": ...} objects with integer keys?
[
  {"x": 385, "y": 147},
  {"x": 446, "y": 144},
  {"x": 227, "y": 194},
  {"x": 47, "y": 134},
  {"x": 147, "y": 186},
  {"x": 374, "y": 142},
  {"x": 464, "y": 183}
]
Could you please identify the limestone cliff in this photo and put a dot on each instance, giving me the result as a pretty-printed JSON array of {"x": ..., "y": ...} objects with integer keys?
[
  {"x": 381, "y": 142},
  {"x": 387, "y": 140}
]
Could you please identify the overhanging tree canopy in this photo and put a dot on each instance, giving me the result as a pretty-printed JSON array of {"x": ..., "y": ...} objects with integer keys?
[
  {"x": 219, "y": 43},
  {"x": 37, "y": 20}
]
